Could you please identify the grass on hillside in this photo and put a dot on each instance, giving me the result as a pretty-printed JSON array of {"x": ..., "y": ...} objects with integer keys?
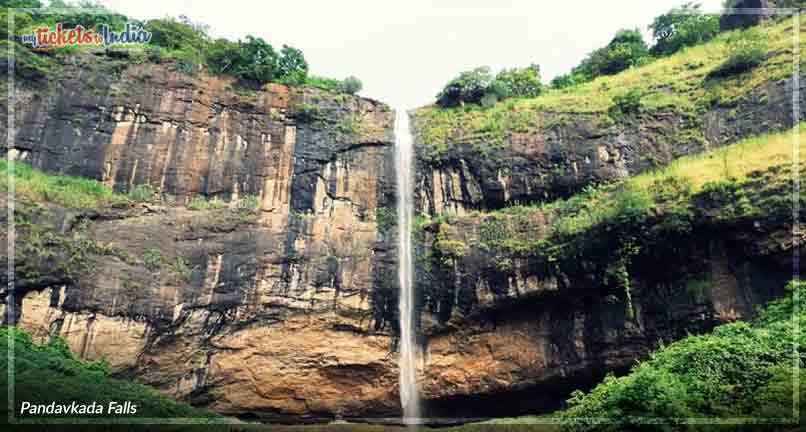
[
  {"x": 749, "y": 180},
  {"x": 679, "y": 82},
  {"x": 68, "y": 191},
  {"x": 731, "y": 163},
  {"x": 50, "y": 372}
]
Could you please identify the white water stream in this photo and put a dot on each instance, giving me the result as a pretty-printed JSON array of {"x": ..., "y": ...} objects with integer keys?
[{"x": 409, "y": 397}]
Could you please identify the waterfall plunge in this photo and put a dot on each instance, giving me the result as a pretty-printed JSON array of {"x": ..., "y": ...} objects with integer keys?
[{"x": 409, "y": 397}]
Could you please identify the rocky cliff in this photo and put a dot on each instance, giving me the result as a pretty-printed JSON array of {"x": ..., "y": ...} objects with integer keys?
[
  {"x": 272, "y": 313},
  {"x": 262, "y": 281}
]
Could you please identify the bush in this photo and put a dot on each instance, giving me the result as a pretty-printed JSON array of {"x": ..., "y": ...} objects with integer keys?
[
  {"x": 223, "y": 56},
  {"x": 518, "y": 82},
  {"x": 746, "y": 50},
  {"x": 177, "y": 34},
  {"x": 468, "y": 87},
  {"x": 324, "y": 83},
  {"x": 566, "y": 80},
  {"x": 627, "y": 49},
  {"x": 202, "y": 203},
  {"x": 627, "y": 103},
  {"x": 737, "y": 371},
  {"x": 152, "y": 259},
  {"x": 478, "y": 86},
  {"x": 142, "y": 193},
  {"x": 351, "y": 85},
  {"x": 681, "y": 27}
]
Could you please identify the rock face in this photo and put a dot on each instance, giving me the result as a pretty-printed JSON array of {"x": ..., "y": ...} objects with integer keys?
[
  {"x": 577, "y": 149},
  {"x": 289, "y": 312},
  {"x": 272, "y": 313}
]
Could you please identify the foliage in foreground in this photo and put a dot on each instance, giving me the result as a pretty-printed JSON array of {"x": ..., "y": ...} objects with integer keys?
[
  {"x": 740, "y": 370},
  {"x": 49, "y": 372}
]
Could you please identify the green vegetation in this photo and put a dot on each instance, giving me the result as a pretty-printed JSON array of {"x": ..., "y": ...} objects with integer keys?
[
  {"x": 739, "y": 371},
  {"x": 201, "y": 202},
  {"x": 627, "y": 49},
  {"x": 681, "y": 83},
  {"x": 68, "y": 191},
  {"x": 152, "y": 259},
  {"x": 746, "y": 181},
  {"x": 28, "y": 65},
  {"x": 746, "y": 50},
  {"x": 50, "y": 372},
  {"x": 179, "y": 42},
  {"x": 351, "y": 85},
  {"x": 682, "y": 27},
  {"x": 143, "y": 193},
  {"x": 478, "y": 86}
]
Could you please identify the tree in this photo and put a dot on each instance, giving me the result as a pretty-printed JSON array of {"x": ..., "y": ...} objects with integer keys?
[
  {"x": 518, "y": 82},
  {"x": 627, "y": 49},
  {"x": 292, "y": 67},
  {"x": 177, "y": 34},
  {"x": 468, "y": 87},
  {"x": 224, "y": 56},
  {"x": 681, "y": 27},
  {"x": 259, "y": 61},
  {"x": 351, "y": 85}
]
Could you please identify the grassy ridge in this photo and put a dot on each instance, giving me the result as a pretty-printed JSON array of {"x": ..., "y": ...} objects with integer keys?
[{"x": 679, "y": 83}]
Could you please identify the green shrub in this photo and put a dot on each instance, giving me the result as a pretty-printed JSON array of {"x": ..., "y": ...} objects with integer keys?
[
  {"x": 152, "y": 259},
  {"x": 142, "y": 193},
  {"x": 180, "y": 269},
  {"x": 292, "y": 67},
  {"x": 351, "y": 85},
  {"x": 737, "y": 371},
  {"x": 28, "y": 65},
  {"x": 177, "y": 34},
  {"x": 627, "y": 103},
  {"x": 200, "y": 202},
  {"x": 468, "y": 87},
  {"x": 155, "y": 54},
  {"x": 517, "y": 82},
  {"x": 746, "y": 50},
  {"x": 307, "y": 113},
  {"x": 73, "y": 192},
  {"x": 566, "y": 80},
  {"x": 324, "y": 83},
  {"x": 478, "y": 86},
  {"x": 625, "y": 50}
]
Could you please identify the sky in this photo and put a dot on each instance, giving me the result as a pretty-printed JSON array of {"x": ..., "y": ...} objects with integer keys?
[{"x": 404, "y": 51}]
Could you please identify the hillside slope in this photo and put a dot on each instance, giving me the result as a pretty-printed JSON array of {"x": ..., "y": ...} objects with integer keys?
[{"x": 522, "y": 151}]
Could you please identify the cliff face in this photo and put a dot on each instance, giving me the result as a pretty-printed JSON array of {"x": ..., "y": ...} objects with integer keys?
[
  {"x": 288, "y": 311},
  {"x": 272, "y": 312},
  {"x": 570, "y": 150}
]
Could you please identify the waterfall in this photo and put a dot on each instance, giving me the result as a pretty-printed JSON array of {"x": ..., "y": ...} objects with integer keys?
[{"x": 409, "y": 398}]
